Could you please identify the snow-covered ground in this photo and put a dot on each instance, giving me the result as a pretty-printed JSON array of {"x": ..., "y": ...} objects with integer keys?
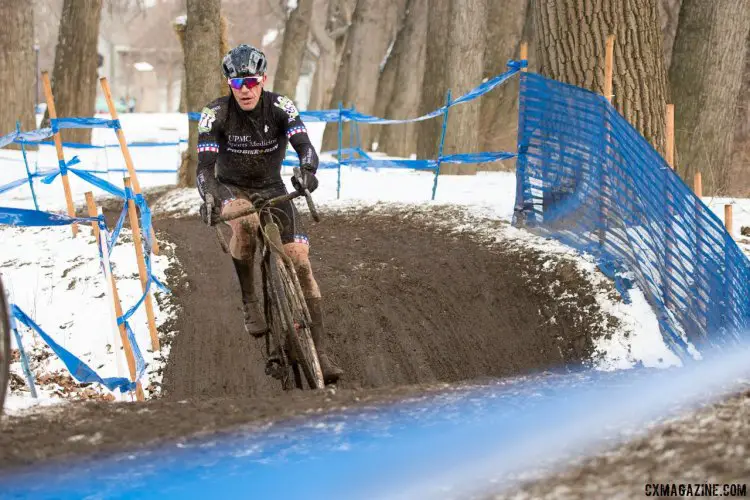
[{"x": 57, "y": 281}]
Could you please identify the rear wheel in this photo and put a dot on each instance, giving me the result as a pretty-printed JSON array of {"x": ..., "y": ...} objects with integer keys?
[{"x": 4, "y": 346}]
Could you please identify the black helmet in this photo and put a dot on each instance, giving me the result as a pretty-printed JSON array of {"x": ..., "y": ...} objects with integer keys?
[{"x": 243, "y": 60}]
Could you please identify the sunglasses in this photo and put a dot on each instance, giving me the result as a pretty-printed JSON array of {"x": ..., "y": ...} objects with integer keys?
[{"x": 247, "y": 81}]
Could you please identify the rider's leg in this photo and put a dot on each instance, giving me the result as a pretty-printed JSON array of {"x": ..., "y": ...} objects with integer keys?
[
  {"x": 299, "y": 252},
  {"x": 242, "y": 249}
]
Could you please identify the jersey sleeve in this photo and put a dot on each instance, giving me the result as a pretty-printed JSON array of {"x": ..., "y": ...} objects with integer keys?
[
  {"x": 296, "y": 133},
  {"x": 209, "y": 130}
]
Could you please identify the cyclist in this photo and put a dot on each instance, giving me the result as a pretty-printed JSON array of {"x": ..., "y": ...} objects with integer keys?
[{"x": 241, "y": 144}]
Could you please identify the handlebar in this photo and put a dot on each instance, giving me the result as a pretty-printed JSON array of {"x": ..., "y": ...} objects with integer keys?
[
  {"x": 273, "y": 201},
  {"x": 253, "y": 209}
]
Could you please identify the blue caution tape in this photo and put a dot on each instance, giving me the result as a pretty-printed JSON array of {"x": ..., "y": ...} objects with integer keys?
[
  {"x": 34, "y": 218},
  {"x": 61, "y": 123},
  {"x": 118, "y": 227},
  {"x": 26, "y": 137},
  {"x": 478, "y": 157},
  {"x": 77, "y": 368}
]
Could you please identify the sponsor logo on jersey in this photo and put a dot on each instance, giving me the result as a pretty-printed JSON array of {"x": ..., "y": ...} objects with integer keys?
[
  {"x": 288, "y": 106},
  {"x": 208, "y": 116}
]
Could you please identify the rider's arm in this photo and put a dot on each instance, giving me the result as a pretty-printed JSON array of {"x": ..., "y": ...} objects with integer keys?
[
  {"x": 295, "y": 130},
  {"x": 209, "y": 128}
]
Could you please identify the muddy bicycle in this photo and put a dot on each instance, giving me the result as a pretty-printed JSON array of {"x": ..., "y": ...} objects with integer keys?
[
  {"x": 4, "y": 345},
  {"x": 289, "y": 349}
]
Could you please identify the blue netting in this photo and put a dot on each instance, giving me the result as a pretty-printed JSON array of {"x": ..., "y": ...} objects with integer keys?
[{"x": 590, "y": 179}]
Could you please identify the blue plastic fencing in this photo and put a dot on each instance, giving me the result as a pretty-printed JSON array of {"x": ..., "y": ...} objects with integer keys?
[{"x": 591, "y": 180}]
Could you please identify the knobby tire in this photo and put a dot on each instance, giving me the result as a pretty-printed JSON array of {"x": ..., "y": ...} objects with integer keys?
[{"x": 289, "y": 303}]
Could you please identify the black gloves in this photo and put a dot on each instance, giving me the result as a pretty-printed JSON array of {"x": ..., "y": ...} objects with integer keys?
[
  {"x": 306, "y": 179},
  {"x": 210, "y": 212}
]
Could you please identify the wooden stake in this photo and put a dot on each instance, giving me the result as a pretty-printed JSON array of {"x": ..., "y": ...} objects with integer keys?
[
  {"x": 698, "y": 185},
  {"x": 142, "y": 271},
  {"x": 92, "y": 213},
  {"x": 728, "y": 218},
  {"x": 609, "y": 60},
  {"x": 670, "y": 135},
  {"x": 129, "y": 357},
  {"x": 524, "y": 55},
  {"x": 126, "y": 152},
  {"x": 58, "y": 146}
]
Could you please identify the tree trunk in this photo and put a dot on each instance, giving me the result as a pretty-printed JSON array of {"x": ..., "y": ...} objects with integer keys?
[
  {"x": 669, "y": 15},
  {"x": 204, "y": 80},
  {"x": 739, "y": 173},
  {"x": 571, "y": 43},
  {"x": 356, "y": 83},
  {"x": 74, "y": 78},
  {"x": 179, "y": 26},
  {"x": 435, "y": 83},
  {"x": 708, "y": 63},
  {"x": 408, "y": 57},
  {"x": 331, "y": 39},
  {"x": 293, "y": 49},
  {"x": 499, "y": 116},
  {"x": 388, "y": 67},
  {"x": 464, "y": 68},
  {"x": 324, "y": 63},
  {"x": 17, "y": 67}
]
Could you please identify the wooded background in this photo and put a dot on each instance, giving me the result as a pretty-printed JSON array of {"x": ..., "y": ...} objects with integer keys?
[{"x": 397, "y": 59}]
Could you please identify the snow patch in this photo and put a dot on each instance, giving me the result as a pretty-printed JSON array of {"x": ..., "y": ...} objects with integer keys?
[{"x": 57, "y": 280}]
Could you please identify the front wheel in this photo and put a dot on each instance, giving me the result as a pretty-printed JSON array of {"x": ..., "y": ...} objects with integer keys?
[
  {"x": 4, "y": 346},
  {"x": 291, "y": 308}
]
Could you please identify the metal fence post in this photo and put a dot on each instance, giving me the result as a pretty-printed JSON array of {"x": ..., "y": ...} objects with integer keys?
[{"x": 442, "y": 142}]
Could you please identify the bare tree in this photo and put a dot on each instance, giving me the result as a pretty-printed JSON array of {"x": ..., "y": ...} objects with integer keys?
[
  {"x": 435, "y": 83},
  {"x": 366, "y": 45},
  {"x": 464, "y": 68},
  {"x": 408, "y": 60},
  {"x": 293, "y": 49},
  {"x": 571, "y": 38},
  {"x": 330, "y": 33},
  {"x": 387, "y": 79},
  {"x": 74, "y": 78},
  {"x": 499, "y": 118},
  {"x": 739, "y": 173},
  {"x": 180, "y": 25},
  {"x": 669, "y": 15},
  {"x": 708, "y": 63},
  {"x": 204, "y": 81},
  {"x": 17, "y": 70}
]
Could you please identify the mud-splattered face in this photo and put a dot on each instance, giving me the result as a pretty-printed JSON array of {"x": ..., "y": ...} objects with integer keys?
[{"x": 248, "y": 97}]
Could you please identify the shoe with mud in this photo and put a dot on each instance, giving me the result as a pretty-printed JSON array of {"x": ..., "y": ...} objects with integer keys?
[
  {"x": 255, "y": 322},
  {"x": 331, "y": 371}
]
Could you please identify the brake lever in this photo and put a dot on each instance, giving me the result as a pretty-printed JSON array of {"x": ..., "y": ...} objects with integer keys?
[{"x": 297, "y": 172}]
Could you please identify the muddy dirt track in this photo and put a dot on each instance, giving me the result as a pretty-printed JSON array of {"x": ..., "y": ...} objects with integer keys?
[
  {"x": 409, "y": 305},
  {"x": 404, "y": 303}
]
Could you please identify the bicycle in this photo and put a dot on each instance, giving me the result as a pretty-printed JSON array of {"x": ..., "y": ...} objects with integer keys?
[
  {"x": 289, "y": 349},
  {"x": 4, "y": 345}
]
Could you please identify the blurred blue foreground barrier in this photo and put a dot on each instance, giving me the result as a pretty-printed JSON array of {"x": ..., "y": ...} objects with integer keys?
[{"x": 588, "y": 178}]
